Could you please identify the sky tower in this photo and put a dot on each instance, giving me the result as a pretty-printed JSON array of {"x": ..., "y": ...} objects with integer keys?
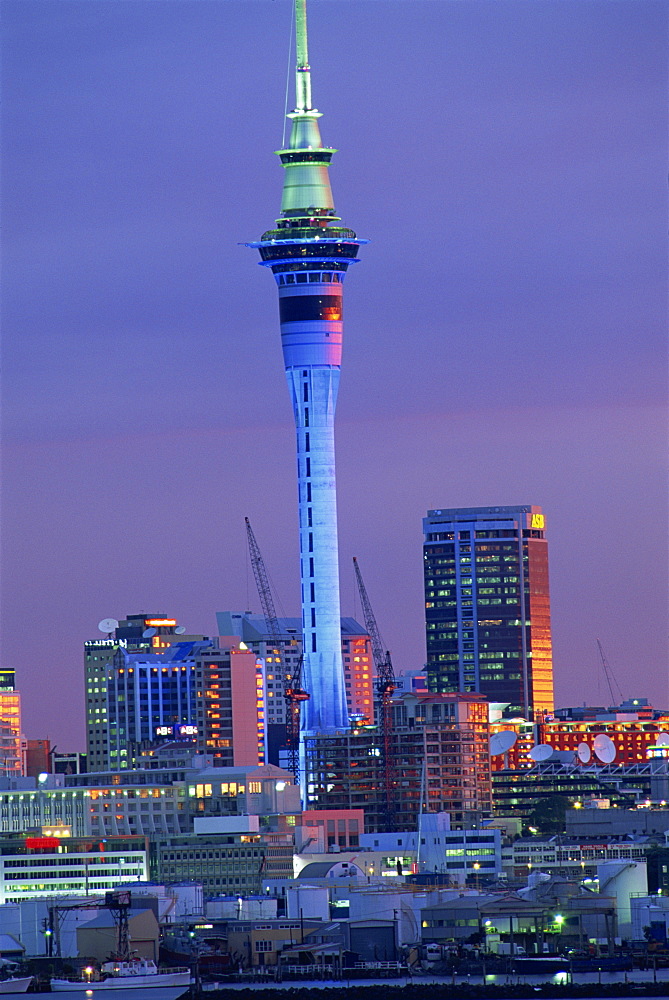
[{"x": 309, "y": 254}]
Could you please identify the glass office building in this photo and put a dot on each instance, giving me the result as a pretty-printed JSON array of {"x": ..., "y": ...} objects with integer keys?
[{"x": 487, "y": 605}]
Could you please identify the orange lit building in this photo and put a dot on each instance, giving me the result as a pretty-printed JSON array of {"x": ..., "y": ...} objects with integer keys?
[
  {"x": 229, "y": 707},
  {"x": 635, "y": 727},
  {"x": 10, "y": 725},
  {"x": 333, "y": 828},
  {"x": 487, "y": 605}
]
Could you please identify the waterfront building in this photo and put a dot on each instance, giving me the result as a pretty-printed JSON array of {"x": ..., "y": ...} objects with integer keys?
[
  {"x": 439, "y": 758},
  {"x": 488, "y": 606},
  {"x": 37, "y": 866},
  {"x": 147, "y": 801},
  {"x": 570, "y": 857},
  {"x": 309, "y": 253}
]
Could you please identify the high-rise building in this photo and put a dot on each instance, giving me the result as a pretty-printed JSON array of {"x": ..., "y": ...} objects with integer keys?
[
  {"x": 141, "y": 633},
  {"x": 309, "y": 253},
  {"x": 10, "y": 724},
  {"x": 148, "y": 683},
  {"x": 488, "y": 606},
  {"x": 438, "y": 748},
  {"x": 281, "y": 656}
]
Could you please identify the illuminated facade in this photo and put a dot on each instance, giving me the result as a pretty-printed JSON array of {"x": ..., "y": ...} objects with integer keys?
[
  {"x": 229, "y": 706},
  {"x": 10, "y": 725},
  {"x": 440, "y": 760},
  {"x": 637, "y": 730},
  {"x": 488, "y": 606},
  {"x": 281, "y": 658},
  {"x": 99, "y": 657},
  {"x": 36, "y": 867},
  {"x": 145, "y": 689},
  {"x": 309, "y": 253}
]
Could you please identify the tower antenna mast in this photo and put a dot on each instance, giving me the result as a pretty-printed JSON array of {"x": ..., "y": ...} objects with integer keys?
[{"x": 302, "y": 70}]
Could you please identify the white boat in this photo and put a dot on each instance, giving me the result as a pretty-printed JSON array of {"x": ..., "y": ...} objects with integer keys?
[
  {"x": 132, "y": 980},
  {"x": 8, "y": 986}
]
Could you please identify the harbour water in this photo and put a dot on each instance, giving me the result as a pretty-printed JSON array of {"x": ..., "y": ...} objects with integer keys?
[{"x": 595, "y": 986}]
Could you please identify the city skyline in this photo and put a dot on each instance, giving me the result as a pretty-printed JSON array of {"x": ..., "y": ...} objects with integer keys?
[{"x": 506, "y": 339}]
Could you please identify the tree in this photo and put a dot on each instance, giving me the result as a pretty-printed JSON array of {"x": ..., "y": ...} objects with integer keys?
[{"x": 548, "y": 815}]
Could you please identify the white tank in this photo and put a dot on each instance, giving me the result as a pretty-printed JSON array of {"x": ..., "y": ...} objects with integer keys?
[{"x": 311, "y": 900}]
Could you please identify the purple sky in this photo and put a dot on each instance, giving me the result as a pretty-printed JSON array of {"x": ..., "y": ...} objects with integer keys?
[{"x": 505, "y": 333}]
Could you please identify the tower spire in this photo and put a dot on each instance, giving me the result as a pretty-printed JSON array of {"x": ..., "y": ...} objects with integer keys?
[{"x": 302, "y": 71}]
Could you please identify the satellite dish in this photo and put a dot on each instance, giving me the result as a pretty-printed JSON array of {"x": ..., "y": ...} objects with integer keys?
[
  {"x": 108, "y": 625},
  {"x": 542, "y": 751},
  {"x": 180, "y": 629},
  {"x": 501, "y": 742},
  {"x": 662, "y": 740},
  {"x": 148, "y": 632},
  {"x": 605, "y": 748},
  {"x": 583, "y": 753}
]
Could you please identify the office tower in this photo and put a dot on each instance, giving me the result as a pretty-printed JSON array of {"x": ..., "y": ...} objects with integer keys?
[
  {"x": 148, "y": 682},
  {"x": 281, "y": 658},
  {"x": 309, "y": 254},
  {"x": 134, "y": 633},
  {"x": 487, "y": 605}
]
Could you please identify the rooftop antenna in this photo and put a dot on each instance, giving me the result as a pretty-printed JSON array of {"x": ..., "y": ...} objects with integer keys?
[
  {"x": 108, "y": 625},
  {"x": 539, "y": 752},
  {"x": 583, "y": 753},
  {"x": 605, "y": 748},
  {"x": 501, "y": 743}
]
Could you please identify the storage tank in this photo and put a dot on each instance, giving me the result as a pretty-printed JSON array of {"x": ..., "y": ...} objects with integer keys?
[{"x": 307, "y": 901}]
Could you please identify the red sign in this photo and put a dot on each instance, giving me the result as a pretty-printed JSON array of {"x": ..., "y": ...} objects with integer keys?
[{"x": 42, "y": 843}]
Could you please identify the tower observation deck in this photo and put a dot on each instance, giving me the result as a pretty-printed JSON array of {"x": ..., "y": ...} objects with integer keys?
[{"x": 309, "y": 253}]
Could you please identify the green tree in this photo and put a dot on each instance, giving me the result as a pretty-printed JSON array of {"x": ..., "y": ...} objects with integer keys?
[{"x": 548, "y": 815}]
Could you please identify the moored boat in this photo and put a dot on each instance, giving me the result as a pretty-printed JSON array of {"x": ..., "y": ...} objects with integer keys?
[
  {"x": 131, "y": 980},
  {"x": 11, "y": 986}
]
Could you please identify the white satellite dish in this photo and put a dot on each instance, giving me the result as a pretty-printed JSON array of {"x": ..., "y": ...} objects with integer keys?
[
  {"x": 501, "y": 742},
  {"x": 605, "y": 748},
  {"x": 662, "y": 740},
  {"x": 583, "y": 753},
  {"x": 148, "y": 633},
  {"x": 108, "y": 625},
  {"x": 180, "y": 629},
  {"x": 541, "y": 751}
]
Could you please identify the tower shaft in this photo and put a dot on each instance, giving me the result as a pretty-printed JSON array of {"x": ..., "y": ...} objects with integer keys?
[{"x": 309, "y": 255}]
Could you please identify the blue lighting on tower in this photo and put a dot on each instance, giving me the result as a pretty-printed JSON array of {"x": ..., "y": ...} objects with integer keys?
[{"x": 309, "y": 253}]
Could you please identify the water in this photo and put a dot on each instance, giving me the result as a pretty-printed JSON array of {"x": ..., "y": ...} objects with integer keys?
[{"x": 331, "y": 988}]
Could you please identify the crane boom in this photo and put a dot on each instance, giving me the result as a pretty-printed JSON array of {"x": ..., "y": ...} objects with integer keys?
[
  {"x": 385, "y": 686},
  {"x": 262, "y": 583},
  {"x": 292, "y": 684}
]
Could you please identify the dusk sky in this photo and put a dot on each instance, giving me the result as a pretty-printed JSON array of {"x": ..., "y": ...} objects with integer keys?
[{"x": 505, "y": 333}]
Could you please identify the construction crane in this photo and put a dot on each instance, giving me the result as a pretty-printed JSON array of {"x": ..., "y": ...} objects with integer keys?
[
  {"x": 385, "y": 687},
  {"x": 292, "y": 684},
  {"x": 610, "y": 679}
]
